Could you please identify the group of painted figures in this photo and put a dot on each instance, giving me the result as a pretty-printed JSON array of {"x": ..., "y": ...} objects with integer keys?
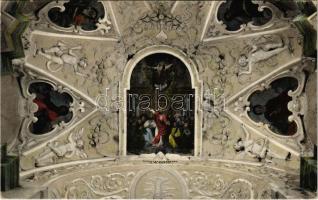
[{"x": 161, "y": 132}]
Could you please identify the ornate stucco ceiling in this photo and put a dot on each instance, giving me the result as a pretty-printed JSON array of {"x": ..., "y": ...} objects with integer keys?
[{"x": 231, "y": 65}]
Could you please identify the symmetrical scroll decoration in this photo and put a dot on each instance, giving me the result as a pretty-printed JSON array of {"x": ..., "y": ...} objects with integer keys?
[
  {"x": 132, "y": 179},
  {"x": 204, "y": 185},
  {"x": 92, "y": 19},
  {"x": 27, "y": 107},
  {"x": 159, "y": 25},
  {"x": 268, "y": 16},
  {"x": 297, "y": 105},
  {"x": 160, "y": 20},
  {"x": 112, "y": 185}
]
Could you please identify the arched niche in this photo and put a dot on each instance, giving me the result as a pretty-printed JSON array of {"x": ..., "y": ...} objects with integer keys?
[{"x": 125, "y": 86}]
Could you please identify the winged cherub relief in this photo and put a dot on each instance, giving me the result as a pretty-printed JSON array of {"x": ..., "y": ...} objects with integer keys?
[
  {"x": 55, "y": 150},
  {"x": 258, "y": 149},
  {"x": 60, "y": 55}
]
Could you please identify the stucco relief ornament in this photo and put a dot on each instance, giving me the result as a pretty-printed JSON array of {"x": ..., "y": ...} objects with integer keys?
[
  {"x": 158, "y": 184},
  {"x": 204, "y": 185},
  {"x": 212, "y": 107},
  {"x": 109, "y": 186},
  {"x": 257, "y": 149},
  {"x": 263, "y": 48},
  {"x": 55, "y": 150},
  {"x": 98, "y": 136},
  {"x": 60, "y": 55},
  {"x": 159, "y": 20},
  {"x": 103, "y": 24},
  {"x": 241, "y": 106},
  {"x": 162, "y": 21},
  {"x": 27, "y": 108}
]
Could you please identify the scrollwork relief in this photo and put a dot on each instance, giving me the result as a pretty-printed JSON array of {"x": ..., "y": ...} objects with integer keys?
[
  {"x": 237, "y": 14},
  {"x": 160, "y": 20},
  {"x": 203, "y": 185},
  {"x": 112, "y": 185},
  {"x": 296, "y": 106},
  {"x": 159, "y": 26},
  {"x": 78, "y": 107},
  {"x": 79, "y": 17},
  {"x": 224, "y": 22}
]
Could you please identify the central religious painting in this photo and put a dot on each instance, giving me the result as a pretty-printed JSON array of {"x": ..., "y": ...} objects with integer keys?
[{"x": 160, "y": 107}]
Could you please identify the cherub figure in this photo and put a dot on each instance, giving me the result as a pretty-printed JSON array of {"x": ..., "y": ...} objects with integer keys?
[
  {"x": 55, "y": 151},
  {"x": 98, "y": 136},
  {"x": 260, "y": 52},
  {"x": 256, "y": 150},
  {"x": 62, "y": 55}
]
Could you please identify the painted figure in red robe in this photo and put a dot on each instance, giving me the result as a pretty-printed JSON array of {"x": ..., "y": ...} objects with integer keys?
[{"x": 162, "y": 123}]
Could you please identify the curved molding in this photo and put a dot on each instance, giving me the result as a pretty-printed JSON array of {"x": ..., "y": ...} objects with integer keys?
[
  {"x": 239, "y": 107},
  {"x": 217, "y": 29},
  {"x": 104, "y": 25},
  {"x": 205, "y": 180},
  {"x": 28, "y": 141}
]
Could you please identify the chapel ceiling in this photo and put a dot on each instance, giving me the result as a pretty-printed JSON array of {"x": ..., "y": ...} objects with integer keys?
[{"x": 231, "y": 59}]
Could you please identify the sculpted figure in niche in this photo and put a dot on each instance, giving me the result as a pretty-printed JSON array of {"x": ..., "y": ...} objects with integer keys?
[
  {"x": 256, "y": 149},
  {"x": 62, "y": 55},
  {"x": 263, "y": 49},
  {"x": 55, "y": 151}
]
